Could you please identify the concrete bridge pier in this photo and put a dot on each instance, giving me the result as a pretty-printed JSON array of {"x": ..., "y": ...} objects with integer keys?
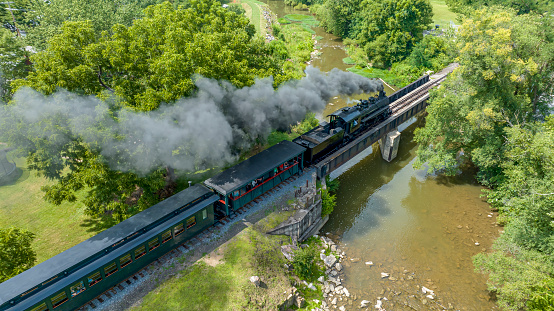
[{"x": 389, "y": 145}]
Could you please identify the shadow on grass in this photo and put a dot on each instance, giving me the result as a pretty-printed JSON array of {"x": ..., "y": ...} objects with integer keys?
[
  {"x": 18, "y": 176},
  {"x": 99, "y": 224}
]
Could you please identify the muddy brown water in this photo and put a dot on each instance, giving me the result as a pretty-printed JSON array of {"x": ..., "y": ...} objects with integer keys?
[{"x": 419, "y": 228}]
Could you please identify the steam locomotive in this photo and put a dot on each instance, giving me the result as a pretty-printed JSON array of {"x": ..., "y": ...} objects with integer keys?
[
  {"x": 82, "y": 273},
  {"x": 344, "y": 124}
]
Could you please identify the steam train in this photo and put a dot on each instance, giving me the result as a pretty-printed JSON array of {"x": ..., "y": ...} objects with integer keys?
[{"x": 84, "y": 272}]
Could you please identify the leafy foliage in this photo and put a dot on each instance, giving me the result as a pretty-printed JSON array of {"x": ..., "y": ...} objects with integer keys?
[
  {"x": 16, "y": 254},
  {"x": 153, "y": 61},
  {"x": 503, "y": 79},
  {"x": 12, "y": 61},
  {"x": 521, "y": 6},
  {"x": 304, "y": 263},
  {"x": 328, "y": 202}
]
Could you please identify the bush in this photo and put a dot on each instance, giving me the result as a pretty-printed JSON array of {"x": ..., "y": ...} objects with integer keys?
[
  {"x": 304, "y": 263},
  {"x": 328, "y": 202}
]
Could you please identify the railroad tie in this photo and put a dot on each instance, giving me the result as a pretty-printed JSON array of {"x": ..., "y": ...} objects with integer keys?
[
  {"x": 120, "y": 287},
  {"x": 141, "y": 275},
  {"x": 128, "y": 282},
  {"x": 100, "y": 299},
  {"x": 92, "y": 305}
]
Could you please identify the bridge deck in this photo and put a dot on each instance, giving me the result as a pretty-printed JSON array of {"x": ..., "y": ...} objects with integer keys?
[{"x": 404, "y": 108}]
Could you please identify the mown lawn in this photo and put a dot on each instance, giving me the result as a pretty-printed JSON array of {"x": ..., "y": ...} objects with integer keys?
[
  {"x": 57, "y": 228},
  {"x": 253, "y": 12},
  {"x": 220, "y": 281},
  {"x": 441, "y": 14}
]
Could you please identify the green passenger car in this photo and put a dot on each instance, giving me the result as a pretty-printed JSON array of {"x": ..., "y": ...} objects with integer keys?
[{"x": 257, "y": 175}]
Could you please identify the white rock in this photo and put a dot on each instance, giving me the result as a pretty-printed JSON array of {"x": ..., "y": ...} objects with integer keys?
[
  {"x": 334, "y": 273},
  {"x": 384, "y": 275},
  {"x": 364, "y": 304},
  {"x": 255, "y": 280},
  {"x": 334, "y": 301},
  {"x": 338, "y": 266},
  {"x": 321, "y": 279},
  {"x": 430, "y": 297},
  {"x": 346, "y": 293},
  {"x": 311, "y": 286},
  {"x": 322, "y": 255},
  {"x": 333, "y": 248},
  {"x": 425, "y": 290},
  {"x": 342, "y": 308},
  {"x": 331, "y": 287},
  {"x": 378, "y": 304},
  {"x": 369, "y": 263},
  {"x": 330, "y": 260},
  {"x": 477, "y": 243}
]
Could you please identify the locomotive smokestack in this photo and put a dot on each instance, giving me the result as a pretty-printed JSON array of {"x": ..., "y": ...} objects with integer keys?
[{"x": 205, "y": 130}]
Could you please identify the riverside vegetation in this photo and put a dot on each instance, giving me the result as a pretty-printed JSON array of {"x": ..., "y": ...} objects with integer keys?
[{"x": 81, "y": 191}]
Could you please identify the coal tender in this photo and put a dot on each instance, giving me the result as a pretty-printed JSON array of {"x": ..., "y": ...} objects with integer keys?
[{"x": 343, "y": 126}]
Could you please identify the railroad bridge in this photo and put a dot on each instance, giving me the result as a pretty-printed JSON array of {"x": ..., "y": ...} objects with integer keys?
[{"x": 405, "y": 105}]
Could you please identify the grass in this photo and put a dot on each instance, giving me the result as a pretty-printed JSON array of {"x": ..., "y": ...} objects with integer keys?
[
  {"x": 348, "y": 61},
  {"x": 283, "y": 21},
  {"x": 441, "y": 14},
  {"x": 57, "y": 228},
  {"x": 386, "y": 75},
  {"x": 299, "y": 17},
  {"x": 253, "y": 12},
  {"x": 226, "y": 285}
]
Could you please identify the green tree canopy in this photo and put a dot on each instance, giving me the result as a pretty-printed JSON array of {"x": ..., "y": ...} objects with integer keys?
[
  {"x": 102, "y": 14},
  {"x": 12, "y": 61},
  {"x": 16, "y": 254},
  {"x": 389, "y": 29},
  {"x": 153, "y": 61},
  {"x": 505, "y": 77},
  {"x": 521, "y": 6}
]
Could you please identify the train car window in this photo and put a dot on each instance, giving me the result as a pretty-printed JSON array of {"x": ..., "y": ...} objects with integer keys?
[
  {"x": 153, "y": 244},
  {"x": 204, "y": 214},
  {"x": 191, "y": 221},
  {"x": 111, "y": 269},
  {"x": 236, "y": 193},
  {"x": 95, "y": 278},
  {"x": 139, "y": 252},
  {"x": 28, "y": 292},
  {"x": 179, "y": 229},
  {"x": 41, "y": 307},
  {"x": 59, "y": 299},
  {"x": 125, "y": 260},
  {"x": 166, "y": 236},
  {"x": 77, "y": 288}
]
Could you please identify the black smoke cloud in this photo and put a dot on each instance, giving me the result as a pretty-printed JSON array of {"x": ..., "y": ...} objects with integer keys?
[{"x": 196, "y": 132}]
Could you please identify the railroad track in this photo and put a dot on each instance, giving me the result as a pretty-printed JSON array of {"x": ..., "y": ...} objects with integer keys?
[
  {"x": 103, "y": 301},
  {"x": 414, "y": 95}
]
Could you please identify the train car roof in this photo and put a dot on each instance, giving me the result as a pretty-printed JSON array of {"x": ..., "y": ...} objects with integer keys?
[
  {"x": 253, "y": 167},
  {"x": 347, "y": 114},
  {"x": 73, "y": 256}
]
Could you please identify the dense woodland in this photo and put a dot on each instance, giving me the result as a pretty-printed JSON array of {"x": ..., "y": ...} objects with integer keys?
[{"x": 493, "y": 113}]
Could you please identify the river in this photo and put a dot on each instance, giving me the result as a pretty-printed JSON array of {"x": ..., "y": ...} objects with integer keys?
[{"x": 421, "y": 229}]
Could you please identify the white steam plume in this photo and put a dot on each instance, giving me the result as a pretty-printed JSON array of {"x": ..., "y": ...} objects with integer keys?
[{"x": 201, "y": 131}]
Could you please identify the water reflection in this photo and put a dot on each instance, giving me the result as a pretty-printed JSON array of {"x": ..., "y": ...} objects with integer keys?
[{"x": 412, "y": 224}]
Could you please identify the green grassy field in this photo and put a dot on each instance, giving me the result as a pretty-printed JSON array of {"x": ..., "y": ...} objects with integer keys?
[
  {"x": 441, "y": 14},
  {"x": 57, "y": 228},
  {"x": 220, "y": 280},
  {"x": 372, "y": 73},
  {"x": 254, "y": 14}
]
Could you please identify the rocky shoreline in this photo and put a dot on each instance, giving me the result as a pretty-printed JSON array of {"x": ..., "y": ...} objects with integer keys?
[{"x": 333, "y": 260}]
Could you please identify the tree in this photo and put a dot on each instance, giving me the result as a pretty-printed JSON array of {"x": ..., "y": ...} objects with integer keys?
[
  {"x": 505, "y": 77},
  {"x": 338, "y": 17},
  {"x": 521, "y": 270},
  {"x": 389, "y": 29},
  {"x": 102, "y": 14},
  {"x": 12, "y": 61},
  {"x": 153, "y": 61},
  {"x": 16, "y": 254},
  {"x": 521, "y": 6}
]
